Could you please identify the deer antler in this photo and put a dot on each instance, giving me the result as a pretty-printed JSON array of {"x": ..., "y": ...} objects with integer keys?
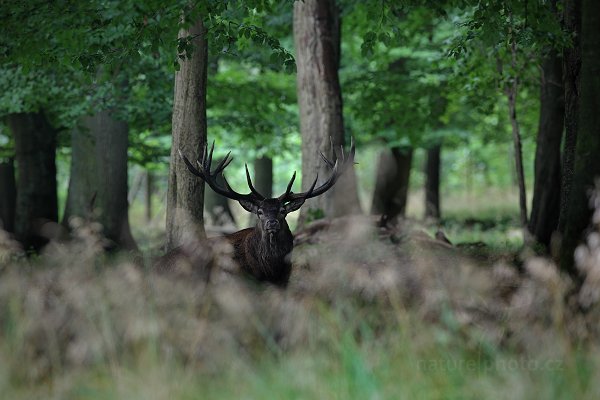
[
  {"x": 203, "y": 170},
  {"x": 337, "y": 168}
]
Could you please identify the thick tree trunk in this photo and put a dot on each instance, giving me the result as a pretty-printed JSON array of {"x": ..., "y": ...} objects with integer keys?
[
  {"x": 317, "y": 43},
  {"x": 571, "y": 70},
  {"x": 391, "y": 184},
  {"x": 546, "y": 191},
  {"x": 432, "y": 182},
  {"x": 263, "y": 176},
  {"x": 185, "y": 196},
  {"x": 217, "y": 206},
  {"x": 587, "y": 150},
  {"x": 35, "y": 152},
  {"x": 98, "y": 184},
  {"x": 8, "y": 195}
]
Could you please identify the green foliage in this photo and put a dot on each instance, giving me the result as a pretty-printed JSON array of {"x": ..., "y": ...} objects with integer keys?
[{"x": 397, "y": 75}]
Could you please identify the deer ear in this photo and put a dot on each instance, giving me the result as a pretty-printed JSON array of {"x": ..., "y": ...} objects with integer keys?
[
  {"x": 293, "y": 205},
  {"x": 249, "y": 206}
]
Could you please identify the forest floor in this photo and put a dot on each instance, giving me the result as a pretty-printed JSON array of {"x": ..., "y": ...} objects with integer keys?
[{"x": 370, "y": 313}]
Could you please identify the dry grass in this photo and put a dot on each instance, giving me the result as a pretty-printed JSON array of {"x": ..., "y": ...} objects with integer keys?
[{"x": 369, "y": 313}]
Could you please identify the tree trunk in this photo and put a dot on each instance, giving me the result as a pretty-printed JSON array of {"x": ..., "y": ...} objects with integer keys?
[
  {"x": 391, "y": 184},
  {"x": 546, "y": 190},
  {"x": 571, "y": 70},
  {"x": 432, "y": 182},
  {"x": 317, "y": 43},
  {"x": 8, "y": 195},
  {"x": 185, "y": 196},
  {"x": 98, "y": 183},
  {"x": 217, "y": 206},
  {"x": 263, "y": 176},
  {"x": 511, "y": 93},
  {"x": 587, "y": 150},
  {"x": 35, "y": 151}
]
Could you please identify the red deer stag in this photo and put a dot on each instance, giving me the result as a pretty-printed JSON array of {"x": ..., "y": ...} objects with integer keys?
[{"x": 264, "y": 251}]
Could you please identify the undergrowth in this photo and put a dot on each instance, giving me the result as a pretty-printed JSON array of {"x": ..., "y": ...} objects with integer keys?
[{"x": 370, "y": 313}]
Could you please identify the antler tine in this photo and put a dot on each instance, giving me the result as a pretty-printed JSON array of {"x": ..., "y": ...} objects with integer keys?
[
  {"x": 331, "y": 144},
  {"x": 251, "y": 186},
  {"x": 200, "y": 168},
  {"x": 223, "y": 163},
  {"x": 190, "y": 165},
  {"x": 210, "y": 155},
  {"x": 337, "y": 169},
  {"x": 204, "y": 151},
  {"x": 288, "y": 190},
  {"x": 312, "y": 187},
  {"x": 327, "y": 161},
  {"x": 203, "y": 170}
]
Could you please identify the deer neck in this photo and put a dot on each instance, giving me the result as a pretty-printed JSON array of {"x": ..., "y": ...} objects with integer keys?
[{"x": 274, "y": 246}]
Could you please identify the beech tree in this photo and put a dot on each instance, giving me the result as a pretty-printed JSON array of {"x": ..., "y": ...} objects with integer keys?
[
  {"x": 8, "y": 195},
  {"x": 392, "y": 181},
  {"x": 98, "y": 180},
  {"x": 185, "y": 197},
  {"x": 546, "y": 191},
  {"x": 587, "y": 162},
  {"x": 571, "y": 72},
  {"x": 432, "y": 182},
  {"x": 35, "y": 151},
  {"x": 317, "y": 44}
]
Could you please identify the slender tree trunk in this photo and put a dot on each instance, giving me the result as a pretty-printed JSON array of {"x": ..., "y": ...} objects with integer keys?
[
  {"x": 511, "y": 93},
  {"x": 149, "y": 194},
  {"x": 263, "y": 176},
  {"x": 587, "y": 150},
  {"x": 98, "y": 183},
  {"x": 185, "y": 197},
  {"x": 217, "y": 206},
  {"x": 391, "y": 184},
  {"x": 571, "y": 71},
  {"x": 546, "y": 191},
  {"x": 432, "y": 182},
  {"x": 8, "y": 195},
  {"x": 35, "y": 152},
  {"x": 317, "y": 43}
]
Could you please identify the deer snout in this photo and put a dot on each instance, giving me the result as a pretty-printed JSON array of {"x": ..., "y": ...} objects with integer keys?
[{"x": 272, "y": 225}]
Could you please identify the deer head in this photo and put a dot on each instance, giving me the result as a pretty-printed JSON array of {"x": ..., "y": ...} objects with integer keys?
[{"x": 271, "y": 212}]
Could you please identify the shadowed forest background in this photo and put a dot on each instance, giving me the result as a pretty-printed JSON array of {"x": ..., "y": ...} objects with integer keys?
[{"x": 458, "y": 258}]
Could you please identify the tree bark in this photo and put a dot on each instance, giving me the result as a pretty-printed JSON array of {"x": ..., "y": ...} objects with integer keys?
[
  {"x": 35, "y": 152},
  {"x": 317, "y": 43},
  {"x": 546, "y": 191},
  {"x": 8, "y": 195},
  {"x": 587, "y": 150},
  {"x": 432, "y": 182},
  {"x": 391, "y": 184},
  {"x": 571, "y": 71},
  {"x": 263, "y": 176},
  {"x": 98, "y": 183},
  {"x": 185, "y": 196},
  {"x": 511, "y": 94},
  {"x": 217, "y": 206}
]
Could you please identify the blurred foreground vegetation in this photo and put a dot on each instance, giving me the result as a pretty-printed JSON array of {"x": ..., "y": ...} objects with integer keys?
[{"x": 369, "y": 313}]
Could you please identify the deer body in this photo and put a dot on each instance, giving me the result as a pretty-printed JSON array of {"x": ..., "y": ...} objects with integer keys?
[
  {"x": 264, "y": 252},
  {"x": 264, "y": 260}
]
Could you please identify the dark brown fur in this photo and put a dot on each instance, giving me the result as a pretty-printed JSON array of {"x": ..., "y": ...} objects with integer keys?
[
  {"x": 263, "y": 259},
  {"x": 264, "y": 252}
]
